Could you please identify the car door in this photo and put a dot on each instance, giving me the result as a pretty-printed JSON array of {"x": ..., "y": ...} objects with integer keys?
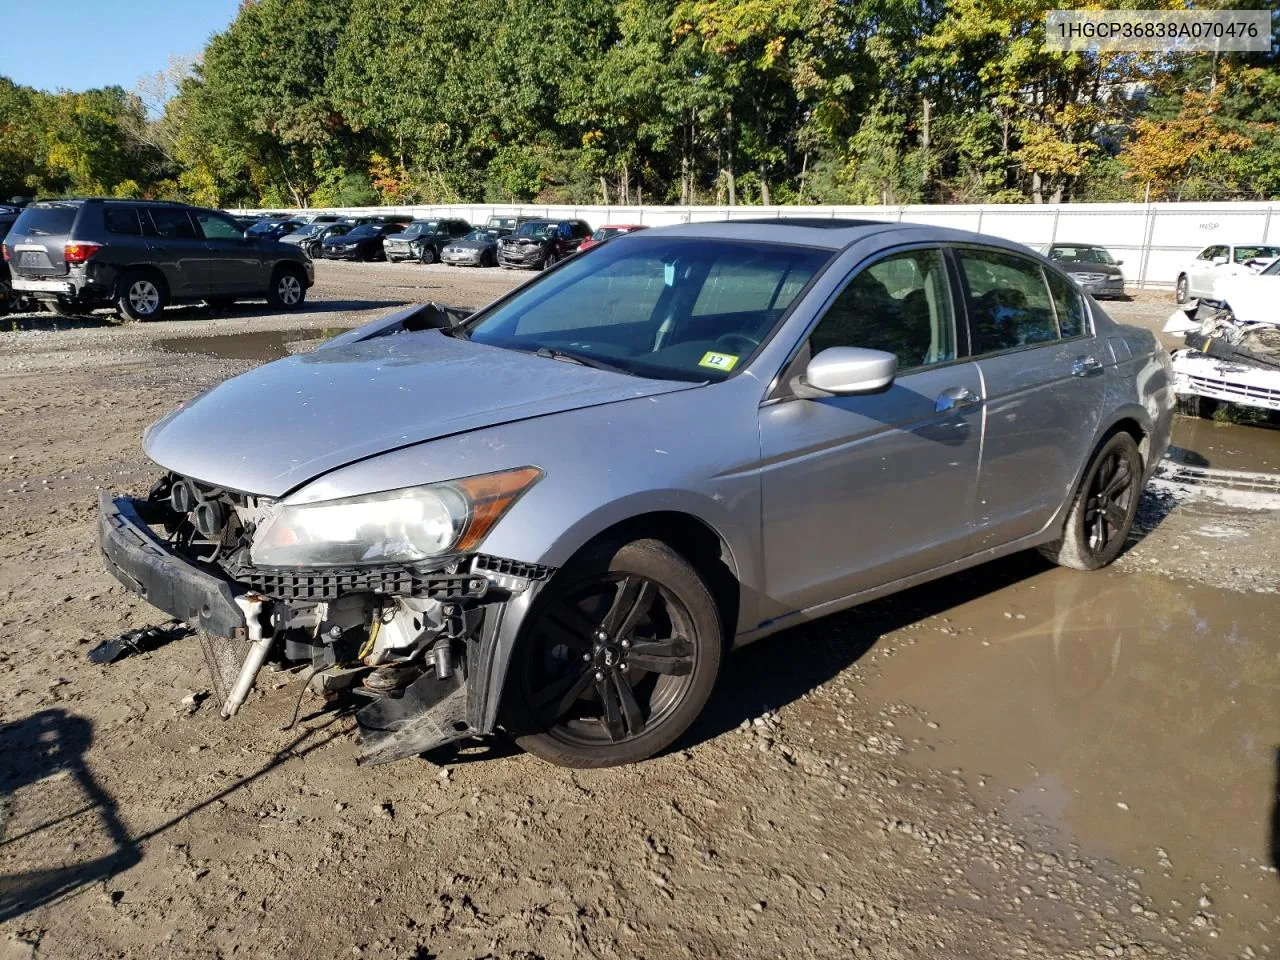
[
  {"x": 862, "y": 490},
  {"x": 1043, "y": 373},
  {"x": 1200, "y": 276},
  {"x": 178, "y": 250},
  {"x": 236, "y": 265}
]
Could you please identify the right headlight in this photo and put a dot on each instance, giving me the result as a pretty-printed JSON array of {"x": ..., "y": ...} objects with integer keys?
[{"x": 398, "y": 526}]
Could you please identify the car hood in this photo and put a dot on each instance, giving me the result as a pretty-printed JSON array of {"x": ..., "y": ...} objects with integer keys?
[
  {"x": 277, "y": 426},
  {"x": 471, "y": 244}
]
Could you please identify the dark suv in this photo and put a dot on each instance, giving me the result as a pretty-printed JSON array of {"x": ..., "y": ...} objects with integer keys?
[
  {"x": 540, "y": 243},
  {"x": 142, "y": 254}
]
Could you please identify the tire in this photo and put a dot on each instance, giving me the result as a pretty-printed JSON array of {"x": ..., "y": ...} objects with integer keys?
[
  {"x": 487, "y": 259},
  {"x": 1197, "y": 406},
  {"x": 1180, "y": 290},
  {"x": 549, "y": 261},
  {"x": 142, "y": 296},
  {"x": 629, "y": 632},
  {"x": 1092, "y": 538},
  {"x": 288, "y": 289},
  {"x": 427, "y": 254}
]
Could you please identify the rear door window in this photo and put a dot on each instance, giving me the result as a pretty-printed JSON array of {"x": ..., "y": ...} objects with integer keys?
[
  {"x": 172, "y": 224},
  {"x": 122, "y": 221},
  {"x": 53, "y": 220},
  {"x": 1009, "y": 302}
]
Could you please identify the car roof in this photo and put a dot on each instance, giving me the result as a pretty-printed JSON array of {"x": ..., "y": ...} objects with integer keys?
[
  {"x": 832, "y": 234},
  {"x": 1085, "y": 246},
  {"x": 621, "y": 226}
]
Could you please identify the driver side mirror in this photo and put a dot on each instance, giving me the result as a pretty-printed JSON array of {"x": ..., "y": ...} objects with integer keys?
[
  {"x": 1119, "y": 263},
  {"x": 847, "y": 370}
]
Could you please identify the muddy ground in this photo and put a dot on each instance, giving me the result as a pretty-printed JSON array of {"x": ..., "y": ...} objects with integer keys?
[{"x": 1016, "y": 761}]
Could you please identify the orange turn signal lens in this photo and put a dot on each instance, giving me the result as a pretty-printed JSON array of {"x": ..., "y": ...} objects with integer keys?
[{"x": 491, "y": 495}]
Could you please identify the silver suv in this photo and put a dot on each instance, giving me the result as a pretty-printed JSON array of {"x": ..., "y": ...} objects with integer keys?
[{"x": 138, "y": 255}]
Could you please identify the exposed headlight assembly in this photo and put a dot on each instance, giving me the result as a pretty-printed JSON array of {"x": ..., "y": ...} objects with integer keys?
[{"x": 398, "y": 526}]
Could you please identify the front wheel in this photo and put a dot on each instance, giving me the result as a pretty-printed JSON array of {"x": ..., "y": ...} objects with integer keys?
[
  {"x": 288, "y": 290},
  {"x": 141, "y": 297},
  {"x": 549, "y": 260},
  {"x": 426, "y": 254},
  {"x": 1102, "y": 513},
  {"x": 617, "y": 659},
  {"x": 1181, "y": 289}
]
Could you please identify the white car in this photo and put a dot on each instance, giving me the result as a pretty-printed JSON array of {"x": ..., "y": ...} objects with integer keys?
[{"x": 1196, "y": 280}]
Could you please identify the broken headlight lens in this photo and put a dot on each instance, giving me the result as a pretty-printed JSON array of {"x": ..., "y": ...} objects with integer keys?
[{"x": 399, "y": 526}]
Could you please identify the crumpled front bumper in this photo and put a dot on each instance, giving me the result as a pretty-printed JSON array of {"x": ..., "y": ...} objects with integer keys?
[{"x": 141, "y": 561}]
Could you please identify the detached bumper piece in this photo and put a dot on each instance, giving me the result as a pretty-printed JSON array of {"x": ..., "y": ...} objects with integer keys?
[
  {"x": 143, "y": 562},
  {"x": 431, "y": 712}
]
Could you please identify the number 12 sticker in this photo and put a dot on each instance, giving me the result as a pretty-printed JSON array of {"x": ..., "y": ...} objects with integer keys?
[{"x": 718, "y": 361}]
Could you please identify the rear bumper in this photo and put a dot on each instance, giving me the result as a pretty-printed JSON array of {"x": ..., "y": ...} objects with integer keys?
[
  {"x": 142, "y": 562},
  {"x": 46, "y": 288}
]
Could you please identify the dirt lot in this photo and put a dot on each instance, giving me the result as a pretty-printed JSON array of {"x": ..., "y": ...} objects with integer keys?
[{"x": 1017, "y": 761}]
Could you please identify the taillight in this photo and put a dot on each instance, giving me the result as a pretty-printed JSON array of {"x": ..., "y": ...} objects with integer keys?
[
  {"x": 5, "y": 250},
  {"x": 79, "y": 252}
]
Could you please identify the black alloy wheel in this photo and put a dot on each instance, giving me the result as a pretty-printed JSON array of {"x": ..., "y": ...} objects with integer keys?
[
  {"x": 617, "y": 660},
  {"x": 1102, "y": 513}
]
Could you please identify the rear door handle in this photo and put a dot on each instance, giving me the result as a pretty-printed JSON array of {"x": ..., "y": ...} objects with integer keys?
[
  {"x": 955, "y": 398},
  {"x": 1084, "y": 366}
]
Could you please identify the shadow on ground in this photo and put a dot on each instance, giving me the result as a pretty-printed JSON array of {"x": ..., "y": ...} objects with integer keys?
[{"x": 45, "y": 779}]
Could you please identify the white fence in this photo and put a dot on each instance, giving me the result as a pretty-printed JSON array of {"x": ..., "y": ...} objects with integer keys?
[{"x": 1153, "y": 240}]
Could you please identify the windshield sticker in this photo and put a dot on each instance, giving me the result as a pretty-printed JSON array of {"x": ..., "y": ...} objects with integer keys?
[
  {"x": 669, "y": 274},
  {"x": 718, "y": 361}
]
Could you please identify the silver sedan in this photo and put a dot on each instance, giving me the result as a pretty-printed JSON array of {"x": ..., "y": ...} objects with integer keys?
[{"x": 554, "y": 517}]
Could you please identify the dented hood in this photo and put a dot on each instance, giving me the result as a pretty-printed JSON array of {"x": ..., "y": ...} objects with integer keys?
[{"x": 282, "y": 424}]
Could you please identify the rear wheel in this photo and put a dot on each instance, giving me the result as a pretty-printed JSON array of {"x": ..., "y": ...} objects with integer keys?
[
  {"x": 288, "y": 289},
  {"x": 1180, "y": 290},
  {"x": 142, "y": 297},
  {"x": 1102, "y": 514},
  {"x": 617, "y": 660}
]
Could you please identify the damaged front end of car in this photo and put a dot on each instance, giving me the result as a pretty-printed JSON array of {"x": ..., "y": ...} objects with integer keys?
[{"x": 383, "y": 597}]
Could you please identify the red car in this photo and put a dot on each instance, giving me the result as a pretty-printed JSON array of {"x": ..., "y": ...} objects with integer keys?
[{"x": 608, "y": 233}]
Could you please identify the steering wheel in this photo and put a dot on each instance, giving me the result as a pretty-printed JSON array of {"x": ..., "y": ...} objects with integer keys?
[{"x": 727, "y": 339}]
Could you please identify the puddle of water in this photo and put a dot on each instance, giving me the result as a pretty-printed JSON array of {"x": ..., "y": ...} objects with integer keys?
[
  {"x": 261, "y": 345},
  {"x": 1226, "y": 446},
  {"x": 1126, "y": 714}
]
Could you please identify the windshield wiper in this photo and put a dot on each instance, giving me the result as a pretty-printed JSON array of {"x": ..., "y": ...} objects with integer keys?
[{"x": 581, "y": 359}]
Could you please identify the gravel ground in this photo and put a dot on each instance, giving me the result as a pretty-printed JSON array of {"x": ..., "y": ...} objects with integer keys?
[{"x": 1018, "y": 761}]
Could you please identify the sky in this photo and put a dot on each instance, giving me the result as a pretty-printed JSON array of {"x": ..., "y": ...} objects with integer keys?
[{"x": 79, "y": 44}]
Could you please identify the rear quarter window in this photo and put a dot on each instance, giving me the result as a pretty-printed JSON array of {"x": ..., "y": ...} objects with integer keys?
[{"x": 46, "y": 221}]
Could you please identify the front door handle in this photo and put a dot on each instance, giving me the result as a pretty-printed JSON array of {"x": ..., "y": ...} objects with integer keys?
[
  {"x": 1084, "y": 366},
  {"x": 955, "y": 398}
]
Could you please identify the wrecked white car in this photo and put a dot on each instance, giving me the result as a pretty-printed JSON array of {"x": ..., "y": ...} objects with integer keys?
[{"x": 1232, "y": 352}]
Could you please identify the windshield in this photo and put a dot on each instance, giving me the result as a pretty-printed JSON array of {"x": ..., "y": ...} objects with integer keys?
[
  {"x": 507, "y": 222},
  {"x": 418, "y": 227},
  {"x": 536, "y": 229},
  {"x": 664, "y": 307},
  {"x": 265, "y": 226},
  {"x": 1245, "y": 254},
  {"x": 1082, "y": 254},
  {"x": 310, "y": 230},
  {"x": 364, "y": 230}
]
